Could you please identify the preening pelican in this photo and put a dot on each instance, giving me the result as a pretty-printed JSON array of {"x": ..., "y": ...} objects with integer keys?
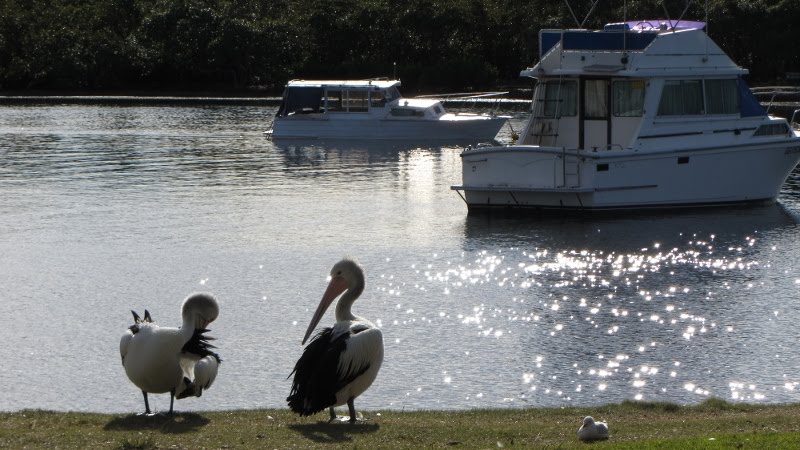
[
  {"x": 592, "y": 431},
  {"x": 175, "y": 360},
  {"x": 342, "y": 361}
]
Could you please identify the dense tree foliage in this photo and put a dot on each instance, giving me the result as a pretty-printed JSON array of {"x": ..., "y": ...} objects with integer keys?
[{"x": 435, "y": 44}]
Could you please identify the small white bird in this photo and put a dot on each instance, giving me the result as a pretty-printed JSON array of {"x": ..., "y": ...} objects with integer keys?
[
  {"x": 592, "y": 431},
  {"x": 175, "y": 360}
]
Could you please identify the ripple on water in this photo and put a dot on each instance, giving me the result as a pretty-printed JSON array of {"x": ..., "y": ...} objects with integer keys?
[{"x": 590, "y": 326}]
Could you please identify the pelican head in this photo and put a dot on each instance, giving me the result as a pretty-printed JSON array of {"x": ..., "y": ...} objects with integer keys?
[
  {"x": 346, "y": 275},
  {"x": 199, "y": 310}
]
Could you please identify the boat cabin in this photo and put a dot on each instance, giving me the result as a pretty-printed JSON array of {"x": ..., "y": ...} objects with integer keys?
[
  {"x": 596, "y": 88},
  {"x": 373, "y": 109},
  {"x": 376, "y": 96}
]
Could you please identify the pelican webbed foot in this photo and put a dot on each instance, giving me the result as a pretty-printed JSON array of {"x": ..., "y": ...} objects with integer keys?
[{"x": 352, "y": 418}]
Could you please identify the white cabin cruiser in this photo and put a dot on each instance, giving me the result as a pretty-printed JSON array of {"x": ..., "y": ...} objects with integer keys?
[
  {"x": 642, "y": 114},
  {"x": 373, "y": 109}
]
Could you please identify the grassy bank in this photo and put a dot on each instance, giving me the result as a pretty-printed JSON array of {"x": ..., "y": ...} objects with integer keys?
[{"x": 713, "y": 424}]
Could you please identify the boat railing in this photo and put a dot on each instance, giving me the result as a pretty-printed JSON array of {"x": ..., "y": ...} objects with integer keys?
[
  {"x": 470, "y": 98},
  {"x": 775, "y": 95},
  {"x": 794, "y": 123},
  {"x": 610, "y": 147},
  {"x": 463, "y": 95}
]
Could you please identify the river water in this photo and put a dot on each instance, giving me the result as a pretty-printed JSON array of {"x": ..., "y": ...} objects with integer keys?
[{"x": 108, "y": 208}]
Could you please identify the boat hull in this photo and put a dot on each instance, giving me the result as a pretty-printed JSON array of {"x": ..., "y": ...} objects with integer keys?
[
  {"x": 536, "y": 178},
  {"x": 465, "y": 129}
]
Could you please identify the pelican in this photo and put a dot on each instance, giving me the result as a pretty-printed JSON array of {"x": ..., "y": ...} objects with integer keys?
[
  {"x": 341, "y": 361},
  {"x": 175, "y": 360},
  {"x": 592, "y": 431}
]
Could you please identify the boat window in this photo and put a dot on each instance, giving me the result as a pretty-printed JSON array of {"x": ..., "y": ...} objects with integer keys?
[
  {"x": 301, "y": 100},
  {"x": 407, "y": 112},
  {"x": 722, "y": 97},
  {"x": 748, "y": 103},
  {"x": 377, "y": 99},
  {"x": 392, "y": 94},
  {"x": 681, "y": 98},
  {"x": 774, "y": 129},
  {"x": 357, "y": 101},
  {"x": 595, "y": 99},
  {"x": 628, "y": 98},
  {"x": 334, "y": 100},
  {"x": 559, "y": 98}
]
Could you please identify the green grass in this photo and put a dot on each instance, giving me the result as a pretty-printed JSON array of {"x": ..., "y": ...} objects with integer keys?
[{"x": 714, "y": 424}]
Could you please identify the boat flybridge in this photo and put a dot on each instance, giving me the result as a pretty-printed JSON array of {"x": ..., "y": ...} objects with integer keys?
[
  {"x": 642, "y": 114},
  {"x": 373, "y": 109}
]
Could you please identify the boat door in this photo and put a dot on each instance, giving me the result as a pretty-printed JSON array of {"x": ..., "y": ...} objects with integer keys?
[{"x": 594, "y": 130}]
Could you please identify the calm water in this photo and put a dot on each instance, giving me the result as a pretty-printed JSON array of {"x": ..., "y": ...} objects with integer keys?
[{"x": 106, "y": 209}]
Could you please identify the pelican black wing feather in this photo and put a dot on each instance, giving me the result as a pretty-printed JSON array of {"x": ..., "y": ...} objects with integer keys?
[
  {"x": 136, "y": 321},
  {"x": 199, "y": 345},
  {"x": 316, "y": 375}
]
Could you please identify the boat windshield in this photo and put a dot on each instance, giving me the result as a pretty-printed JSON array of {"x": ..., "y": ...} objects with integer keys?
[
  {"x": 301, "y": 100},
  {"x": 392, "y": 94}
]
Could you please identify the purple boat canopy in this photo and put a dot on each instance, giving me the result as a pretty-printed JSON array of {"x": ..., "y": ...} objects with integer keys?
[
  {"x": 635, "y": 35},
  {"x": 656, "y": 25}
]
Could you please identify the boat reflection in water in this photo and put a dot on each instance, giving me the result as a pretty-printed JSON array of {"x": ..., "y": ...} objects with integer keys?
[
  {"x": 349, "y": 157},
  {"x": 640, "y": 306},
  {"x": 623, "y": 231}
]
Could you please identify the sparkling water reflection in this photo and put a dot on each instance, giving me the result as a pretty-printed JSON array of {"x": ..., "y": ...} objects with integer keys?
[{"x": 107, "y": 209}]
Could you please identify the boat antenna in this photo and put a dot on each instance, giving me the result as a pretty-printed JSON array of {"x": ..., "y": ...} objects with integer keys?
[
  {"x": 624, "y": 25},
  {"x": 594, "y": 5},
  {"x": 573, "y": 13},
  {"x": 706, "y": 21},
  {"x": 666, "y": 13},
  {"x": 688, "y": 4},
  {"x": 675, "y": 24},
  {"x": 591, "y": 10},
  {"x": 394, "y": 70}
]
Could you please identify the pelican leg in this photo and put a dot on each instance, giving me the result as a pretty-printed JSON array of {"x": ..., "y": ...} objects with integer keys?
[
  {"x": 352, "y": 407},
  {"x": 333, "y": 414},
  {"x": 146, "y": 404},
  {"x": 171, "y": 400}
]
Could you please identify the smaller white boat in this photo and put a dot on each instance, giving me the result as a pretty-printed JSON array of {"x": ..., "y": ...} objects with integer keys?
[{"x": 373, "y": 109}]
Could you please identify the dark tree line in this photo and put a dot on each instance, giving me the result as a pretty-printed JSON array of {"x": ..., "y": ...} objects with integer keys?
[{"x": 435, "y": 44}]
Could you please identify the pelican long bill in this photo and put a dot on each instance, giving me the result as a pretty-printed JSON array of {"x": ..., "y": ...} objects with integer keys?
[{"x": 336, "y": 286}]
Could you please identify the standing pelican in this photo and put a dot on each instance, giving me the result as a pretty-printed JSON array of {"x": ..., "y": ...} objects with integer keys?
[
  {"x": 175, "y": 360},
  {"x": 342, "y": 361}
]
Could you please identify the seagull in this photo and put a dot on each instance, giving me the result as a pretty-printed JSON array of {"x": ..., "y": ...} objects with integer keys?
[
  {"x": 341, "y": 361},
  {"x": 592, "y": 431},
  {"x": 175, "y": 360}
]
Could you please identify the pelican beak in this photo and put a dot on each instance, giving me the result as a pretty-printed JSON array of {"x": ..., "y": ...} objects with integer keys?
[
  {"x": 202, "y": 324},
  {"x": 336, "y": 286}
]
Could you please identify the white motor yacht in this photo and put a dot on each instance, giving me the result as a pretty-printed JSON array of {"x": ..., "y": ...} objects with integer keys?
[{"x": 641, "y": 114}]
